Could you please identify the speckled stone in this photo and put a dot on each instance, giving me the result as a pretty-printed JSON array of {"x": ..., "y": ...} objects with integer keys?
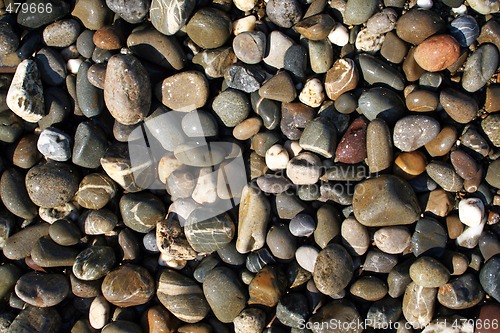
[
  {"x": 284, "y": 14},
  {"x": 352, "y": 147},
  {"x": 333, "y": 269},
  {"x": 445, "y": 176},
  {"x": 177, "y": 91},
  {"x": 61, "y": 33},
  {"x": 491, "y": 127},
  {"x": 94, "y": 263},
  {"x": 437, "y": 53},
  {"x": 128, "y": 285},
  {"x": 131, "y": 11},
  {"x": 488, "y": 276},
  {"x": 413, "y": 132},
  {"x": 231, "y": 106},
  {"x": 209, "y": 28},
  {"x": 428, "y": 272}
]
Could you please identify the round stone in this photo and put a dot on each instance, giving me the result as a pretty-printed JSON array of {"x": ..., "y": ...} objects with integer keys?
[
  {"x": 413, "y": 132},
  {"x": 333, "y": 269},
  {"x": 284, "y": 14},
  {"x": 141, "y": 211},
  {"x": 355, "y": 237},
  {"x": 250, "y": 46},
  {"x": 209, "y": 28},
  {"x": 302, "y": 225},
  {"x": 465, "y": 30},
  {"x": 183, "y": 92},
  {"x": 429, "y": 273},
  {"x": 61, "y": 33},
  {"x": 128, "y": 285},
  {"x": 416, "y": 25},
  {"x": 281, "y": 242},
  {"x": 437, "y": 53},
  {"x": 369, "y": 288},
  {"x": 392, "y": 240},
  {"x": 42, "y": 290},
  {"x": 65, "y": 232},
  {"x": 304, "y": 169},
  {"x": 199, "y": 123},
  {"x": 232, "y": 106},
  {"x": 95, "y": 191},
  {"x": 94, "y": 263},
  {"x": 54, "y": 144}
]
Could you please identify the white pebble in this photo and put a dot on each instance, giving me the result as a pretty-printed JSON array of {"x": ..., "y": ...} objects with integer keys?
[
  {"x": 245, "y": 5},
  {"x": 205, "y": 191},
  {"x": 312, "y": 94},
  {"x": 469, "y": 238},
  {"x": 99, "y": 312},
  {"x": 54, "y": 144},
  {"x": 277, "y": 158},
  {"x": 471, "y": 211},
  {"x": 306, "y": 257},
  {"x": 246, "y": 23},
  {"x": 73, "y": 65},
  {"x": 425, "y": 4},
  {"x": 460, "y": 10},
  {"x": 339, "y": 35},
  {"x": 292, "y": 147},
  {"x": 368, "y": 41},
  {"x": 165, "y": 260}
]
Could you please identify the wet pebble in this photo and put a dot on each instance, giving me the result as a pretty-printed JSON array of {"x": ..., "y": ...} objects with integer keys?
[
  {"x": 480, "y": 66},
  {"x": 413, "y": 132},
  {"x": 55, "y": 289},
  {"x": 94, "y": 263},
  {"x": 128, "y": 285}
]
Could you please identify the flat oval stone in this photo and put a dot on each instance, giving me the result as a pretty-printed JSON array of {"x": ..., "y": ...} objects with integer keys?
[
  {"x": 395, "y": 202},
  {"x": 178, "y": 91},
  {"x": 393, "y": 49},
  {"x": 443, "y": 142},
  {"x": 437, "y": 53},
  {"x": 207, "y": 233},
  {"x": 65, "y": 232},
  {"x": 209, "y": 28},
  {"x": 392, "y": 240},
  {"x": 445, "y": 176},
  {"x": 19, "y": 245},
  {"x": 281, "y": 242},
  {"x": 61, "y": 33},
  {"x": 247, "y": 128},
  {"x": 369, "y": 288},
  {"x": 422, "y": 101},
  {"x": 47, "y": 253},
  {"x": 125, "y": 73},
  {"x": 141, "y": 211},
  {"x": 375, "y": 71},
  {"x": 417, "y": 25},
  {"x": 94, "y": 263},
  {"x": 378, "y": 145},
  {"x": 133, "y": 11},
  {"x": 460, "y": 107},
  {"x": 419, "y": 304},
  {"x": 333, "y": 269},
  {"x": 15, "y": 196},
  {"x": 413, "y": 132},
  {"x": 128, "y": 285},
  {"x": 302, "y": 225},
  {"x": 182, "y": 296},
  {"x": 428, "y": 272},
  {"x": 463, "y": 292},
  {"x": 90, "y": 99},
  {"x": 199, "y": 154},
  {"x": 55, "y": 288},
  {"x": 25, "y": 153},
  {"x": 224, "y": 293},
  {"x": 480, "y": 66}
]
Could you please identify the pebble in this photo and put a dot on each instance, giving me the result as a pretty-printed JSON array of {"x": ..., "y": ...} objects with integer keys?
[
  {"x": 232, "y": 107},
  {"x": 491, "y": 126},
  {"x": 306, "y": 257},
  {"x": 320, "y": 55},
  {"x": 250, "y": 46},
  {"x": 419, "y": 305},
  {"x": 25, "y": 95},
  {"x": 54, "y": 144},
  {"x": 209, "y": 28},
  {"x": 320, "y": 137},
  {"x": 94, "y": 263},
  {"x": 339, "y": 35},
  {"x": 413, "y": 132},
  {"x": 288, "y": 206},
  {"x": 169, "y": 16},
  {"x": 392, "y": 240},
  {"x": 14, "y": 195},
  {"x": 253, "y": 217},
  {"x": 437, "y": 53},
  {"x": 302, "y": 225},
  {"x": 65, "y": 233},
  {"x": 378, "y": 145},
  {"x": 26, "y": 153},
  {"x": 342, "y": 77},
  {"x": 93, "y": 14},
  {"x": 352, "y": 147},
  {"x": 30, "y": 20},
  {"x": 443, "y": 142},
  {"x": 375, "y": 71},
  {"x": 304, "y": 169},
  {"x": 95, "y": 191},
  {"x": 224, "y": 293},
  {"x": 316, "y": 27},
  {"x": 410, "y": 164},
  {"x": 480, "y": 66},
  {"x": 461, "y": 293},
  {"x": 292, "y": 310},
  {"x": 368, "y": 41},
  {"x": 393, "y": 49},
  {"x": 488, "y": 277},
  {"x": 175, "y": 94},
  {"x": 257, "y": 260},
  {"x": 465, "y": 30},
  {"x": 355, "y": 237},
  {"x": 47, "y": 253},
  {"x": 128, "y": 285},
  {"x": 61, "y": 33},
  {"x": 141, "y": 211},
  {"x": 484, "y": 7},
  {"x": 267, "y": 287},
  {"x": 207, "y": 233},
  {"x": 279, "y": 88},
  {"x": 51, "y": 66},
  {"x": 98, "y": 222},
  {"x": 281, "y": 242},
  {"x": 108, "y": 38},
  {"x": 55, "y": 289},
  {"x": 121, "y": 326},
  {"x": 9, "y": 42},
  {"x": 428, "y": 272},
  {"x": 89, "y": 98},
  {"x": 333, "y": 269},
  {"x": 417, "y": 25},
  {"x": 382, "y": 22},
  {"x": 429, "y": 236},
  {"x": 492, "y": 175},
  {"x": 357, "y": 12},
  {"x": 250, "y": 320},
  {"x": 471, "y": 211},
  {"x": 369, "y": 288},
  {"x": 460, "y": 107},
  {"x": 444, "y": 175},
  {"x": 400, "y": 203},
  {"x": 132, "y": 12},
  {"x": 284, "y": 14},
  {"x": 345, "y": 314},
  {"x": 125, "y": 73},
  {"x": 382, "y": 103},
  {"x": 312, "y": 94},
  {"x": 182, "y": 296},
  {"x": 99, "y": 312}
]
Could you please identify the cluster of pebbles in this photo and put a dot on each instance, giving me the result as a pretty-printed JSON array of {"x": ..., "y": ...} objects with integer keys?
[{"x": 250, "y": 166}]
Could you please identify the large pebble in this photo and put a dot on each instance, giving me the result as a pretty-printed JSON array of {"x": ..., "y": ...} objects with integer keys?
[
  {"x": 480, "y": 66},
  {"x": 416, "y": 25},
  {"x": 93, "y": 14},
  {"x": 461, "y": 293},
  {"x": 428, "y": 272},
  {"x": 128, "y": 285},
  {"x": 437, "y": 53},
  {"x": 375, "y": 71},
  {"x": 413, "y": 132},
  {"x": 61, "y": 33},
  {"x": 94, "y": 263},
  {"x": 14, "y": 195},
  {"x": 53, "y": 10},
  {"x": 207, "y": 233},
  {"x": 418, "y": 305},
  {"x": 254, "y": 214},
  {"x": 333, "y": 269},
  {"x": 209, "y": 28},
  {"x": 250, "y": 320},
  {"x": 42, "y": 290},
  {"x": 359, "y": 11},
  {"x": 141, "y": 211},
  {"x": 284, "y": 13},
  {"x": 47, "y": 253},
  {"x": 488, "y": 276}
]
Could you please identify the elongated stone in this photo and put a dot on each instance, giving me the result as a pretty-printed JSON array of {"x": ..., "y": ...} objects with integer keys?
[
  {"x": 90, "y": 98},
  {"x": 378, "y": 145},
  {"x": 15, "y": 196},
  {"x": 55, "y": 288},
  {"x": 19, "y": 245},
  {"x": 378, "y": 71},
  {"x": 47, "y": 253},
  {"x": 418, "y": 305},
  {"x": 254, "y": 215}
]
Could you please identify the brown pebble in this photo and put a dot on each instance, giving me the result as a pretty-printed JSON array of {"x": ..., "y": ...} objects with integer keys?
[
  {"x": 26, "y": 153},
  {"x": 410, "y": 164},
  {"x": 394, "y": 49},
  {"x": 439, "y": 202},
  {"x": 443, "y": 142},
  {"x": 416, "y": 25},
  {"x": 267, "y": 287},
  {"x": 316, "y": 27},
  {"x": 454, "y": 226},
  {"x": 490, "y": 33},
  {"x": 157, "y": 319},
  {"x": 492, "y": 102},
  {"x": 437, "y": 53},
  {"x": 108, "y": 38},
  {"x": 195, "y": 328},
  {"x": 247, "y": 128},
  {"x": 342, "y": 77},
  {"x": 422, "y": 100},
  {"x": 412, "y": 70},
  {"x": 459, "y": 106},
  {"x": 352, "y": 147},
  {"x": 464, "y": 165}
]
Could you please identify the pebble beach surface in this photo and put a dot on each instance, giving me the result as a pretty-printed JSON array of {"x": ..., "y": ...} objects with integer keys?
[{"x": 249, "y": 166}]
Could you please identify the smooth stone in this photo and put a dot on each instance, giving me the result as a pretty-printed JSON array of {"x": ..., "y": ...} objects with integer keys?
[
  {"x": 158, "y": 319},
  {"x": 209, "y": 28},
  {"x": 342, "y": 77},
  {"x": 169, "y": 16},
  {"x": 399, "y": 278},
  {"x": 133, "y": 11},
  {"x": 58, "y": 104},
  {"x": 395, "y": 195},
  {"x": 355, "y": 237},
  {"x": 11, "y": 127},
  {"x": 379, "y": 262},
  {"x": 55, "y": 289},
  {"x": 294, "y": 118},
  {"x": 444, "y": 175},
  {"x": 199, "y": 123},
  {"x": 97, "y": 75},
  {"x": 25, "y": 94},
  {"x": 205, "y": 266},
  {"x": 493, "y": 174},
  {"x": 428, "y": 272},
  {"x": 61, "y": 33},
  {"x": 254, "y": 212},
  {"x": 15, "y": 196},
  {"x": 306, "y": 257},
  {"x": 328, "y": 226},
  {"x": 485, "y": 7},
  {"x": 47, "y": 253},
  {"x": 199, "y": 154},
  {"x": 471, "y": 211},
  {"x": 302, "y": 225},
  {"x": 312, "y": 94},
  {"x": 437, "y": 53},
  {"x": 320, "y": 55},
  {"x": 393, "y": 49},
  {"x": 304, "y": 169},
  {"x": 90, "y": 99},
  {"x": 51, "y": 66},
  {"x": 182, "y": 296},
  {"x": 216, "y": 61},
  {"x": 9, "y": 41},
  {"x": 358, "y": 12},
  {"x": 480, "y": 66},
  {"x": 375, "y": 71},
  {"x": 94, "y": 263},
  {"x": 19, "y": 245},
  {"x": 54, "y": 144},
  {"x": 230, "y": 255},
  {"x": 257, "y": 260},
  {"x": 368, "y": 41},
  {"x": 417, "y": 25},
  {"x": 93, "y": 14},
  {"x": 320, "y": 137},
  {"x": 459, "y": 106},
  {"x": 418, "y": 305},
  {"x": 429, "y": 237},
  {"x": 267, "y": 287},
  {"x": 333, "y": 269},
  {"x": 34, "y": 319},
  {"x": 489, "y": 33},
  {"x": 89, "y": 146},
  {"x": 128, "y": 285},
  {"x": 378, "y": 145},
  {"x": 125, "y": 73},
  {"x": 141, "y": 211},
  {"x": 465, "y": 30},
  {"x": 410, "y": 164},
  {"x": 461, "y": 293},
  {"x": 288, "y": 206},
  {"x": 422, "y": 101},
  {"x": 281, "y": 242},
  {"x": 247, "y": 78},
  {"x": 413, "y": 132},
  {"x": 153, "y": 46},
  {"x": 292, "y": 310},
  {"x": 296, "y": 60},
  {"x": 273, "y": 184},
  {"x": 250, "y": 320},
  {"x": 343, "y": 313},
  {"x": 9, "y": 274},
  {"x": 384, "y": 312},
  {"x": 277, "y": 158},
  {"x": 381, "y": 103},
  {"x": 207, "y": 233},
  {"x": 488, "y": 277},
  {"x": 231, "y": 106},
  {"x": 98, "y": 222},
  {"x": 491, "y": 127},
  {"x": 392, "y": 240},
  {"x": 315, "y": 27},
  {"x": 99, "y": 312},
  {"x": 51, "y": 184},
  {"x": 475, "y": 141},
  {"x": 85, "y": 42},
  {"x": 224, "y": 293},
  {"x": 412, "y": 70},
  {"x": 250, "y": 46},
  {"x": 284, "y": 14},
  {"x": 369, "y": 288},
  {"x": 177, "y": 91},
  {"x": 35, "y": 19},
  {"x": 64, "y": 232},
  {"x": 25, "y": 153},
  {"x": 352, "y": 147},
  {"x": 95, "y": 191},
  {"x": 439, "y": 202},
  {"x": 279, "y": 88},
  {"x": 109, "y": 38},
  {"x": 443, "y": 142}
]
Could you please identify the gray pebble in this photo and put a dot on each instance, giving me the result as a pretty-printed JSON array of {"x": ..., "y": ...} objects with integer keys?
[
  {"x": 359, "y": 11},
  {"x": 168, "y": 16},
  {"x": 134, "y": 11},
  {"x": 94, "y": 263},
  {"x": 90, "y": 99},
  {"x": 90, "y": 145},
  {"x": 198, "y": 123},
  {"x": 250, "y": 46},
  {"x": 55, "y": 289},
  {"x": 465, "y": 30},
  {"x": 14, "y": 195},
  {"x": 230, "y": 255},
  {"x": 379, "y": 262},
  {"x": 281, "y": 242},
  {"x": 429, "y": 236},
  {"x": 302, "y": 225},
  {"x": 379, "y": 102},
  {"x": 232, "y": 107},
  {"x": 246, "y": 78},
  {"x": 258, "y": 259},
  {"x": 141, "y": 211},
  {"x": 284, "y": 13},
  {"x": 375, "y": 70},
  {"x": 149, "y": 242},
  {"x": 480, "y": 66},
  {"x": 85, "y": 44},
  {"x": 54, "y": 144},
  {"x": 51, "y": 66},
  {"x": 413, "y": 132}
]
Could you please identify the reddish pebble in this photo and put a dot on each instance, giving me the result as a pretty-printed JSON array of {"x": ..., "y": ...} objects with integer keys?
[
  {"x": 108, "y": 38},
  {"x": 437, "y": 53},
  {"x": 489, "y": 319},
  {"x": 352, "y": 146}
]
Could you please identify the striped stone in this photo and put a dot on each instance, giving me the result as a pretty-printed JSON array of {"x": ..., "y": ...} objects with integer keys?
[
  {"x": 208, "y": 234},
  {"x": 168, "y": 16}
]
